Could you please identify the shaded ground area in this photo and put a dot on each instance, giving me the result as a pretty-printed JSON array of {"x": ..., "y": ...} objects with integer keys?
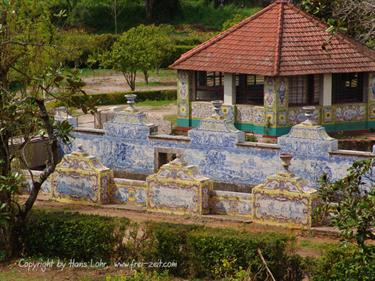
[{"x": 14, "y": 271}]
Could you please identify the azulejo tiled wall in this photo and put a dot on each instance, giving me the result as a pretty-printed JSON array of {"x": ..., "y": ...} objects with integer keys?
[
  {"x": 250, "y": 114},
  {"x": 231, "y": 203},
  {"x": 201, "y": 110},
  {"x": 296, "y": 115},
  {"x": 81, "y": 177},
  {"x": 284, "y": 200},
  {"x": 178, "y": 188},
  {"x": 218, "y": 149},
  {"x": 127, "y": 191}
]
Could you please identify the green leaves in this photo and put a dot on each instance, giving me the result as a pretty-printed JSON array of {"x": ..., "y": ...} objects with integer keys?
[
  {"x": 141, "y": 48},
  {"x": 351, "y": 201},
  {"x": 63, "y": 131}
]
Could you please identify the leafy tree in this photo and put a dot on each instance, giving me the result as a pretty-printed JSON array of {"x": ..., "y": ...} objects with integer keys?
[
  {"x": 351, "y": 203},
  {"x": 30, "y": 74},
  {"x": 233, "y": 21},
  {"x": 354, "y": 17},
  {"x": 76, "y": 44},
  {"x": 141, "y": 48}
]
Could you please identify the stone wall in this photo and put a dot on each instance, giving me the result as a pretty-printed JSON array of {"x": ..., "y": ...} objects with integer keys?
[
  {"x": 126, "y": 191},
  {"x": 178, "y": 188},
  {"x": 218, "y": 150}
]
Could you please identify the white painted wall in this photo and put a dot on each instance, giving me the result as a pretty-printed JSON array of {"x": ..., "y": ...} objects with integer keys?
[
  {"x": 326, "y": 98},
  {"x": 229, "y": 89}
]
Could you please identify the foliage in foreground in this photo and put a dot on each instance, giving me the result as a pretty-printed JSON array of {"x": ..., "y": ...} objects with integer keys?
[
  {"x": 350, "y": 205},
  {"x": 199, "y": 251},
  {"x": 345, "y": 262},
  {"x": 32, "y": 54}
]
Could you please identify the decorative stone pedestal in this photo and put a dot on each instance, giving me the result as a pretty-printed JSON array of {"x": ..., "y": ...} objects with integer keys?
[
  {"x": 81, "y": 177},
  {"x": 284, "y": 200},
  {"x": 178, "y": 189},
  {"x": 305, "y": 138}
]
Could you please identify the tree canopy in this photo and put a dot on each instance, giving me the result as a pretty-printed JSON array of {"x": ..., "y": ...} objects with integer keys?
[
  {"x": 31, "y": 56},
  {"x": 141, "y": 48}
]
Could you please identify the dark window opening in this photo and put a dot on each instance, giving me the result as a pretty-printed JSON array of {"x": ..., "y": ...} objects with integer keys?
[
  {"x": 249, "y": 89},
  {"x": 304, "y": 90},
  {"x": 165, "y": 158},
  {"x": 347, "y": 87},
  {"x": 209, "y": 86}
]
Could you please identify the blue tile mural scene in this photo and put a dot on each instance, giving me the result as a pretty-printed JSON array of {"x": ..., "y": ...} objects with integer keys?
[{"x": 218, "y": 149}]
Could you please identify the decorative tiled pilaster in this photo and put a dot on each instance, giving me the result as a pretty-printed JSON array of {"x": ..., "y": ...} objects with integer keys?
[
  {"x": 328, "y": 115},
  {"x": 184, "y": 85},
  {"x": 276, "y": 101},
  {"x": 371, "y": 97}
]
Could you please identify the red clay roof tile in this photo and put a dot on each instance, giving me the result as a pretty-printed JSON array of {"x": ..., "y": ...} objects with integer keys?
[{"x": 279, "y": 40}]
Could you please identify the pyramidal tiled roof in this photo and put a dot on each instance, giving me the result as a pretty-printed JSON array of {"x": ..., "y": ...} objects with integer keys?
[{"x": 279, "y": 40}]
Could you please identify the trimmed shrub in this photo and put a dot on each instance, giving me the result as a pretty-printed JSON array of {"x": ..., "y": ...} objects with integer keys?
[
  {"x": 345, "y": 263},
  {"x": 72, "y": 235},
  {"x": 219, "y": 253},
  {"x": 118, "y": 98},
  {"x": 115, "y": 98},
  {"x": 198, "y": 251},
  {"x": 169, "y": 244}
]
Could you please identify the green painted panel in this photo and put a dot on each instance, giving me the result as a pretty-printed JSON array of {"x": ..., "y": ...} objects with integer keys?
[{"x": 349, "y": 126}]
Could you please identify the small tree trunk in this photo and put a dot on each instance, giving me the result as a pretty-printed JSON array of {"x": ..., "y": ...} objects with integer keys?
[
  {"x": 115, "y": 15},
  {"x": 146, "y": 75},
  {"x": 130, "y": 79}
]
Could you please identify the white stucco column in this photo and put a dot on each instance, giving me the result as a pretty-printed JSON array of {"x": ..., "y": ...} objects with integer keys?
[
  {"x": 229, "y": 89},
  {"x": 326, "y": 96}
]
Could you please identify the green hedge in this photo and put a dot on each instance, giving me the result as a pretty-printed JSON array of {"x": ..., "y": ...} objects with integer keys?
[
  {"x": 115, "y": 98},
  {"x": 221, "y": 252},
  {"x": 345, "y": 262},
  {"x": 71, "y": 235},
  {"x": 119, "y": 98},
  {"x": 199, "y": 251}
]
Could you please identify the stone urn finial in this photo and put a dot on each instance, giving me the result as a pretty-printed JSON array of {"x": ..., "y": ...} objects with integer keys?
[
  {"x": 80, "y": 150},
  {"x": 218, "y": 113},
  {"x": 286, "y": 158},
  {"x": 309, "y": 112},
  {"x": 130, "y": 100},
  {"x": 61, "y": 111}
]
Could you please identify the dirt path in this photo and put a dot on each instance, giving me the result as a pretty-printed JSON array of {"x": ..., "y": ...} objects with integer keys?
[
  {"x": 87, "y": 120},
  {"x": 115, "y": 82}
]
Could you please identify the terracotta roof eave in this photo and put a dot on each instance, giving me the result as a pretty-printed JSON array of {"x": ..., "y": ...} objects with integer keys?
[
  {"x": 279, "y": 40},
  {"x": 358, "y": 46},
  {"x": 220, "y": 36},
  {"x": 229, "y": 51},
  {"x": 284, "y": 73}
]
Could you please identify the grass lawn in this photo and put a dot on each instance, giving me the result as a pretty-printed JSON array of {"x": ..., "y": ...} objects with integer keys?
[
  {"x": 155, "y": 103},
  {"x": 162, "y": 73}
]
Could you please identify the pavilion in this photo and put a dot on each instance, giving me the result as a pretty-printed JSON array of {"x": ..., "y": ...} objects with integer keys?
[{"x": 268, "y": 67}]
